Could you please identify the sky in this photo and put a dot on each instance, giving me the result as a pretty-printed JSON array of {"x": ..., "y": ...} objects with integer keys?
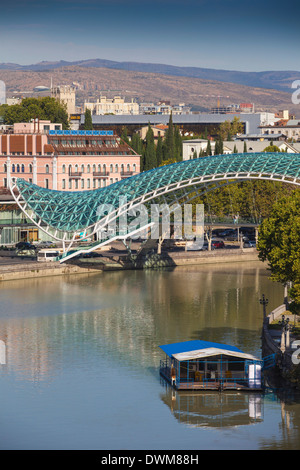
[{"x": 221, "y": 34}]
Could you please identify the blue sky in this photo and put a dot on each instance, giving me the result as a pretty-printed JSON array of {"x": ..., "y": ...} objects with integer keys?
[{"x": 223, "y": 34}]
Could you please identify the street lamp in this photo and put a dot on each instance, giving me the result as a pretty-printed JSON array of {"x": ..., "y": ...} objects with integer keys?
[{"x": 264, "y": 302}]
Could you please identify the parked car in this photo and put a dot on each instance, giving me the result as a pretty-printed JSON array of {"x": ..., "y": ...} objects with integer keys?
[
  {"x": 249, "y": 244},
  {"x": 217, "y": 244},
  {"x": 46, "y": 244},
  {"x": 25, "y": 246},
  {"x": 196, "y": 246}
]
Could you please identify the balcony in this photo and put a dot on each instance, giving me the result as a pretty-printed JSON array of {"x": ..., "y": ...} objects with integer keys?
[
  {"x": 100, "y": 174},
  {"x": 75, "y": 174},
  {"x": 126, "y": 174}
]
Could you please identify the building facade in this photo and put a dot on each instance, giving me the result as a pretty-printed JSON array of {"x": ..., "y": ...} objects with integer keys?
[
  {"x": 116, "y": 105},
  {"x": 66, "y": 160}
]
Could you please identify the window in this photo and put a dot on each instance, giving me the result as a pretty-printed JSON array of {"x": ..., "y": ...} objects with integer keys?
[
  {"x": 116, "y": 168},
  {"x": 18, "y": 168},
  {"x": 88, "y": 183},
  {"x": 5, "y": 168},
  {"x": 88, "y": 168},
  {"x": 63, "y": 184},
  {"x": 64, "y": 168},
  {"x": 134, "y": 167},
  {"x": 70, "y": 184},
  {"x": 82, "y": 168},
  {"x": 128, "y": 167},
  {"x": 23, "y": 169},
  {"x": 47, "y": 168},
  {"x": 111, "y": 168},
  {"x": 13, "y": 168},
  {"x": 46, "y": 183},
  {"x": 76, "y": 184},
  {"x": 82, "y": 184},
  {"x": 30, "y": 168}
]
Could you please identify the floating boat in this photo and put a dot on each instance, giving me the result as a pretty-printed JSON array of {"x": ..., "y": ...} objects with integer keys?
[{"x": 203, "y": 365}]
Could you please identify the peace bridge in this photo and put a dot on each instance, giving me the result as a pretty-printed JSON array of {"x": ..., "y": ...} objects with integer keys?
[{"x": 69, "y": 217}]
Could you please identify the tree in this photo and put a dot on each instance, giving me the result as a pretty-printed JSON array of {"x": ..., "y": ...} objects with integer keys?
[
  {"x": 279, "y": 243},
  {"x": 228, "y": 129},
  {"x": 159, "y": 151},
  {"x": 208, "y": 148},
  {"x": 272, "y": 148},
  {"x": 150, "y": 151},
  {"x": 45, "y": 108},
  {"x": 177, "y": 144},
  {"x": 88, "y": 121},
  {"x": 245, "y": 147},
  {"x": 169, "y": 146},
  {"x": 219, "y": 146},
  {"x": 124, "y": 135}
]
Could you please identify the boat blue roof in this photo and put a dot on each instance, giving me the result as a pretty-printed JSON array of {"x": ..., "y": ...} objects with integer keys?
[{"x": 194, "y": 345}]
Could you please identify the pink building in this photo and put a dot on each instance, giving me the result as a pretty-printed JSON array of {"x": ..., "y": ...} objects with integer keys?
[{"x": 65, "y": 160}]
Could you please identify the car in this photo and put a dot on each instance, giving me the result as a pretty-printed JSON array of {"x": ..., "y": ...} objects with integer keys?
[
  {"x": 90, "y": 255},
  {"x": 217, "y": 243},
  {"x": 25, "y": 246},
  {"x": 46, "y": 244},
  {"x": 197, "y": 246},
  {"x": 249, "y": 244}
]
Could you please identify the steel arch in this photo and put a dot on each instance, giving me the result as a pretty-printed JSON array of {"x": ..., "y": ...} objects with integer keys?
[{"x": 70, "y": 213}]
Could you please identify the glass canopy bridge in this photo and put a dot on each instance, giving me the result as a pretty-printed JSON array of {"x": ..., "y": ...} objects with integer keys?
[{"x": 71, "y": 217}]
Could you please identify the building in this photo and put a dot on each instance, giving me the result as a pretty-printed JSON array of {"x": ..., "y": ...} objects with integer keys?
[
  {"x": 66, "y": 160},
  {"x": 192, "y": 148},
  {"x": 65, "y": 94},
  {"x": 158, "y": 131},
  {"x": 289, "y": 128},
  {"x": 191, "y": 123},
  {"x": 164, "y": 108},
  {"x": 234, "y": 108},
  {"x": 116, "y": 105}
]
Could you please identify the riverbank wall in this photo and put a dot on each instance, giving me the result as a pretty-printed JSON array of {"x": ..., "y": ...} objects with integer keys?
[
  {"x": 274, "y": 342},
  {"x": 35, "y": 269}
]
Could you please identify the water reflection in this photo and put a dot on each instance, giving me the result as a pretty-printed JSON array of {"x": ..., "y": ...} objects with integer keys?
[
  {"x": 50, "y": 324},
  {"x": 214, "y": 409},
  {"x": 67, "y": 337}
]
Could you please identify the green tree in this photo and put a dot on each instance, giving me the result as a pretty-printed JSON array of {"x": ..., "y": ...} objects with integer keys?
[
  {"x": 150, "y": 151},
  {"x": 229, "y": 128},
  {"x": 37, "y": 108},
  {"x": 245, "y": 147},
  {"x": 88, "y": 121},
  {"x": 159, "y": 151},
  {"x": 177, "y": 144},
  {"x": 272, "y": 148},
  {"x": 279, "y": 243},
  {"x": 124, "y": 136},
  {"x": 208, "y": 148},
  {"x": 169, "y": 147}
]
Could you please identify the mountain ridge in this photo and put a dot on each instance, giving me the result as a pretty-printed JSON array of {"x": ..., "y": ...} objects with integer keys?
[{"x": 272, "y": 79}]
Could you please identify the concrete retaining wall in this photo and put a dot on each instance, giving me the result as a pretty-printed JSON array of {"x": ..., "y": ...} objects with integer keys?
[{"x": 36, "y": 270}]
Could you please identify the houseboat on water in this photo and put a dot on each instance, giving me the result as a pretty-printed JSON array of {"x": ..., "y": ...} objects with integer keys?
[{"x": 203, "y": 365}]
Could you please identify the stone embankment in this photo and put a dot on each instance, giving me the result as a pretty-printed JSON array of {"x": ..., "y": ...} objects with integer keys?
[
  {"x": 113, "y": 262},
  {"x": 280, "y": 341}
]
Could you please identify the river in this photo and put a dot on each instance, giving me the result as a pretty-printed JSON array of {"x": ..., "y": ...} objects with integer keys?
[{"x": 82, "y": 359}]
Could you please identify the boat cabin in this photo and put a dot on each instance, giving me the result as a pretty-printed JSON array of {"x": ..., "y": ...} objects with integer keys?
[{"x": 203, "y": 365}]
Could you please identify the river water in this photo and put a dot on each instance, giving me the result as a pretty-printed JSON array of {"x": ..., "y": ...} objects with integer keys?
[{"x": 82, "y": 361}]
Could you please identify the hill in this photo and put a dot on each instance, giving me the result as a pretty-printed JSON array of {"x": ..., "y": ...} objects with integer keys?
[
  {"x": 202, "y": 94},
  {"x": 277, "y": 80}
]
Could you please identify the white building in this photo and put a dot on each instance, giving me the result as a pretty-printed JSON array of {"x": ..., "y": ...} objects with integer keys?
[
  {"x": 116, "y": 105},
  {"x": 190, "y": 148}
]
